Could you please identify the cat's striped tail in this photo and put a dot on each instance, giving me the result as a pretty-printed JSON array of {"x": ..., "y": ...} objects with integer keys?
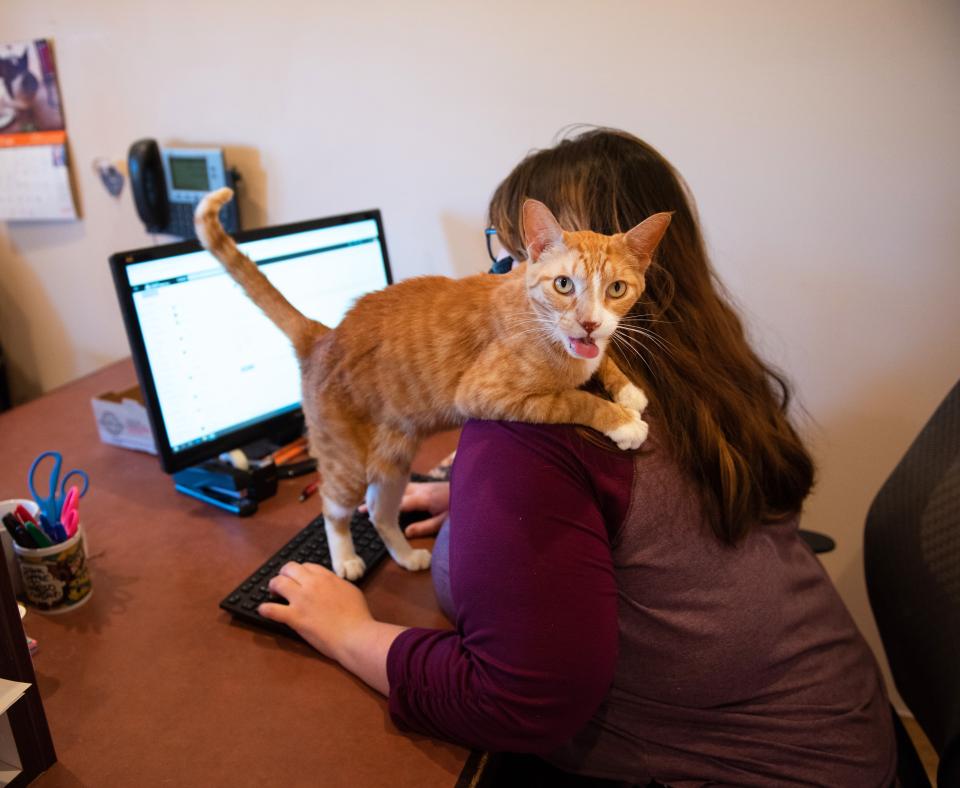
[{"x": 206, "y": 219}]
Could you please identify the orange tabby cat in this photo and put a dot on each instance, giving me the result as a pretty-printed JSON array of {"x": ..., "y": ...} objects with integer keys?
[{"x": 428, "y": 353}]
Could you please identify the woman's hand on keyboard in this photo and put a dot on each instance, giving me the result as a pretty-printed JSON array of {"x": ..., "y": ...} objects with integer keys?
[{"x": 332, "y": 616}]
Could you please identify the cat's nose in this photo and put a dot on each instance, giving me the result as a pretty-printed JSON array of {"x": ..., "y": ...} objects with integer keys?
[{"x": 590, "y": 326}]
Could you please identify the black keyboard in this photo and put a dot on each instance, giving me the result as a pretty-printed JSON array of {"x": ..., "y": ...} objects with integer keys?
[{"x": 309, "y": 545}]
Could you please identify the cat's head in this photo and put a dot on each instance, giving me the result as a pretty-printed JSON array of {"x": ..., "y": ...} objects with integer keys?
[
  {"x": 12, "y": 65},
  {"x": 582, "y": 283}
]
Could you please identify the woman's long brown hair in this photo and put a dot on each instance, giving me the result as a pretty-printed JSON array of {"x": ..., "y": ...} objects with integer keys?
[{"x": 724, "y": 410}]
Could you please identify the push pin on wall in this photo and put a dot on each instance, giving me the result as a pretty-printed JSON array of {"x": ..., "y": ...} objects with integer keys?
[{"x": 111, "y": 175}]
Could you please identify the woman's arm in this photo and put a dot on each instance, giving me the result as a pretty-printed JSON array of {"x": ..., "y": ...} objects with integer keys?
[
  {"x": 535, "y": 647},
  {"x": 535, "y": 596},
  {"x": 332, "y": 616}
]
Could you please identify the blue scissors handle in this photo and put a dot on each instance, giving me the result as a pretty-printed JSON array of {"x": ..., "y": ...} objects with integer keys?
[
  {"x": 82, "y": 475},
  {"x": 51, "y": 503},
  {"x": 47, "y": 503}
]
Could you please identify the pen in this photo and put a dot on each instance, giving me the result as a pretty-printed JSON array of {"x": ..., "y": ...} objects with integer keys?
[
  {"x": 69, "y": 502},
  {"x": 70, "y": 523},
  {"x": 309, "y": 490},
  {"x": 54, "y": 531},
  {"x": 290, "y": 469},
  {"x": 289, "y": 451},
  {"x": 39, "y": 537},
  {"x": 24, "y": 516},
  {"x": 17, "y": 531},
  {"x": 48, "y": 528}
]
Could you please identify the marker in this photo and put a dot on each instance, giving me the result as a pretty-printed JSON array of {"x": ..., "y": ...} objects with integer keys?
[
  {"x": 48, "y": 529},
  {"x": 24, "y": 515},
  {"x": 39, "y": 537},
  {"x": 70, "y": 523},
  {"x": 309, "y": 490},
  {"x": 17, "y": 531},
  {"x": 291, "y": 450},
  {"x": 291, "y": 469},
  {"x": 69, "y": 502}
]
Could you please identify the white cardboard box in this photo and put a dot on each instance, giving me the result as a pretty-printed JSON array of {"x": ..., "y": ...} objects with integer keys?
[{"x": 122, "y": 420}]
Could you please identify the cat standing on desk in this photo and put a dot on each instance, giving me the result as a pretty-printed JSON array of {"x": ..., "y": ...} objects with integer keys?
[{"x": 515, "y": 347}]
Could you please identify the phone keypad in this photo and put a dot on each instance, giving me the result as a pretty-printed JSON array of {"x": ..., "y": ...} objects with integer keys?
[{"x": 181, "y": 218}]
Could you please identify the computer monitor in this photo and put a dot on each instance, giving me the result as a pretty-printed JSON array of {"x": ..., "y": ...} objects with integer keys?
[{"x": 215, "y": 372}]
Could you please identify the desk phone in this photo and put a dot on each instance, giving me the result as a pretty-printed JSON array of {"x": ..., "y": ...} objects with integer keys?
[{"x": 167, "y": 185}]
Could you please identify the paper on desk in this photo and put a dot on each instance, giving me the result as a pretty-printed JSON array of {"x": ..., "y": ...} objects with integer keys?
[{"x": 10, "y": 693}]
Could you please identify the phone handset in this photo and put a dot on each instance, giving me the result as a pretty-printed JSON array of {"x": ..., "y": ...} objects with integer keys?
[{"x": 148, "y": 184}]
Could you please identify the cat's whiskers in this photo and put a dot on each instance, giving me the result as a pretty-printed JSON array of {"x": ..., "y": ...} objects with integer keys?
[
  {"x": 527, "y": 325},
  {"x": 643, "y": 319},
  {"x": 659, "y": 341},
  {"x": 631, "y": 347},
  {"x": 646, "y": 332},
  {"x": 530, "y": 322},
  {"x": 521, "y": 319}
]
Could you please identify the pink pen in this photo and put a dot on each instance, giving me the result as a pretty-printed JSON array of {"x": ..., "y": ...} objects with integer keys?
[
  {"x": 70, "y": 522},
  {"x": 69, "y": 503}
]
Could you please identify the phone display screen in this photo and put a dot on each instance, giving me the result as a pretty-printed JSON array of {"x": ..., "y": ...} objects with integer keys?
[{"x": 189, "y": 173}]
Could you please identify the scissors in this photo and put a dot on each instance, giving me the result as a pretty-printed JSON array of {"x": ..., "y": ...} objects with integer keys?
[{"x": 52, "y": 503}]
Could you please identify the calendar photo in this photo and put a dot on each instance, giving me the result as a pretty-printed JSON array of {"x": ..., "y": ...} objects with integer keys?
[{"x": 29, "y": 93}]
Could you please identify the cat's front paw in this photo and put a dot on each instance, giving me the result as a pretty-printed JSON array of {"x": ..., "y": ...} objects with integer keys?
[
  {"x": 414, "y": 560},
  {"x": 630, "y": 435},
  {"x": 631, "y": 396},
  {"x": 350, "y": 568}
]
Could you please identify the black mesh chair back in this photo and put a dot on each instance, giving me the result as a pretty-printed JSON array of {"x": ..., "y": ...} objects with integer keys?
[{"x": 912, "y": 563}]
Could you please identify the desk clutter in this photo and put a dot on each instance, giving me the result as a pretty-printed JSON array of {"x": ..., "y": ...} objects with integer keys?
[
  {"x": 122, "y": 420},
  {"x": 238, "y": 480},
  {"x": 47, "y": 538}
]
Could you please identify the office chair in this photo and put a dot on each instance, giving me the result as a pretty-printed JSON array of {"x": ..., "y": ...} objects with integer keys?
[{"x": 911, "y": 550}]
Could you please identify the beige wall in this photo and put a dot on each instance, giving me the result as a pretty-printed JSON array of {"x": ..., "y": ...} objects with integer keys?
[{"x": 820, "y": 139}]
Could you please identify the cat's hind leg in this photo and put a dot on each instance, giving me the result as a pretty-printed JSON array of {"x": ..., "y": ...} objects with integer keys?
[
  {"x": 388, "y": 471},
  {"x": 383, "y": 501}
]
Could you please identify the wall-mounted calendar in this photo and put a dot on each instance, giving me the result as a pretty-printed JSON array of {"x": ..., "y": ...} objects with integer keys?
[{"x": 34, "y": 171}]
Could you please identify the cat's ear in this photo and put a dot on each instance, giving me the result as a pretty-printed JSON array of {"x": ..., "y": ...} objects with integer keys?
[
  {"x": 643, "y": 239},
  {"x": 541, "y": 230}
]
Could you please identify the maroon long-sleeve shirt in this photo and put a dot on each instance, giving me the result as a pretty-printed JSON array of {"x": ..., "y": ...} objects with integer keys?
[{"x": 599, "y": 622}]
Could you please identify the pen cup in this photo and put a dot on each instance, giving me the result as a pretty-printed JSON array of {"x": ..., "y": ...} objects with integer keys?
[
  {"x": 9, "y": 506},
  {"x": 55, "y": 578}
]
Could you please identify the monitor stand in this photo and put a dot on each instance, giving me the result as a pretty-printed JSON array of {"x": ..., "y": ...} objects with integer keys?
[{"x": 220, "y": 484}]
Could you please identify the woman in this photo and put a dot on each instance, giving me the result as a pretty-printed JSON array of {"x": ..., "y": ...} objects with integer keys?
[{"x": 636, "y": 617}]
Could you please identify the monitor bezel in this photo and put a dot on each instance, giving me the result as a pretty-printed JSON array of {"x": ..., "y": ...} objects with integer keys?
[{"x": 281, "y": 426}]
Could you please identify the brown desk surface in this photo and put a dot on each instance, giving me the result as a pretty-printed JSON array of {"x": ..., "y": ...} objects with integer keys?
[{"x": 150, "y": 682}]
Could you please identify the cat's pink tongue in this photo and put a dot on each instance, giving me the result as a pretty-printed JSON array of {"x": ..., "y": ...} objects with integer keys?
[{"x": 584, "y": 349}]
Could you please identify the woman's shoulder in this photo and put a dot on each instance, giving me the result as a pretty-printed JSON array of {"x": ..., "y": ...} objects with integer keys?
[
  {"x": 541, "y": 455},
  {"x": 567, "y": 440},
  {"x": 570, "y": 440}
]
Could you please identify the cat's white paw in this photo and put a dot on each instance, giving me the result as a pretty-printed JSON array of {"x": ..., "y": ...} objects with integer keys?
[
  {"x": 414, "y": 560},
  {"x": 630, "y": 435},
  {"x": 350, "y": 568},
  {"x": 632, "y": 397}
]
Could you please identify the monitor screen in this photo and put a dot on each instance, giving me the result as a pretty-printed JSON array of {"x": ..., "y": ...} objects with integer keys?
[{"x": 213, "y": 367}]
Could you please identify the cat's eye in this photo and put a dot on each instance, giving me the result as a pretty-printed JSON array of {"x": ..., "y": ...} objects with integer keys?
[
  {"x": 617, "y": 289},
  {"x": 563, "y": 284}
]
